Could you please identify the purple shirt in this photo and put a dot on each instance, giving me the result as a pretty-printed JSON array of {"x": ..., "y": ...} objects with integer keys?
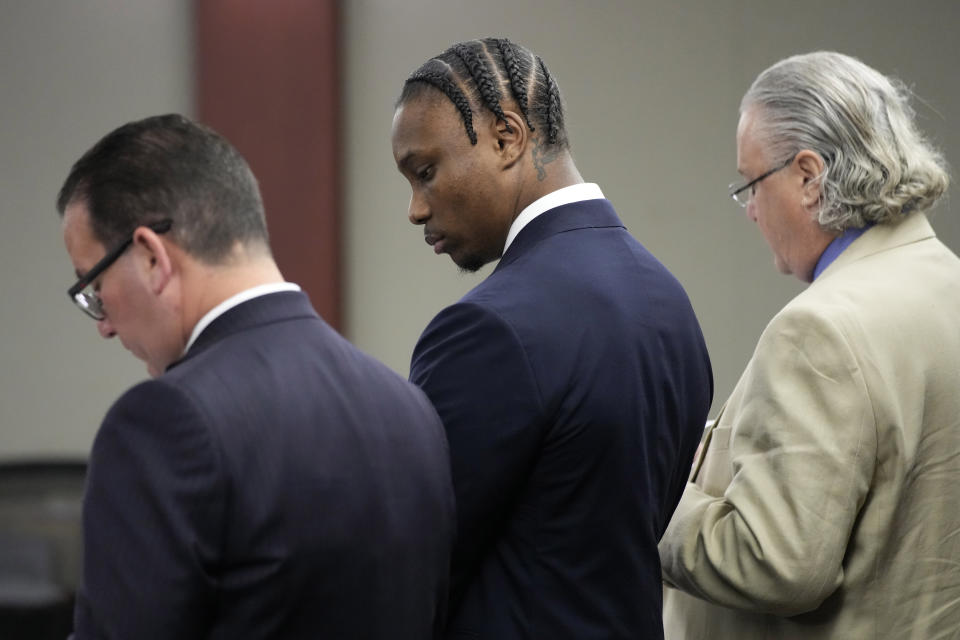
[{"x": 836, "y": 247}]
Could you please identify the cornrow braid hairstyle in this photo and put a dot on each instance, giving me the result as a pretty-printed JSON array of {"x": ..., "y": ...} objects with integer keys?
[
  {"x": 518, "y": 83},
  {"x": 475, "y": 75},
  {"x": 554, "y": 111},
  {"x": 451, "y": 90},
  {"x": 489, "y": 91}
]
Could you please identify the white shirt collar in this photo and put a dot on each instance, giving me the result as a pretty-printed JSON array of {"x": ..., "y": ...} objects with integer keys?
[
  {"x": 566, "y": 195},
  {"x": 232, "y": 301}
]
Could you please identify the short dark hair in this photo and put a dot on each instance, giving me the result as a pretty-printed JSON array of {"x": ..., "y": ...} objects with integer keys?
[
  {"x": 169, "y": 167},
  {"x": 476, "y": 74}
]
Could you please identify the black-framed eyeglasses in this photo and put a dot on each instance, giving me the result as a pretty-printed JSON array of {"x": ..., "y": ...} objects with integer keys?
[
  {"x": 742, "y": 194},
  {"x": 83, "y": 293}
]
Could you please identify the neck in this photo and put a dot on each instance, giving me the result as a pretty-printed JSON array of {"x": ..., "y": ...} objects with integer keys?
[
  {"x": 206, "y": 286},
  {"x": 817, "y": 244},
  {"x": 546, "y": 177}
]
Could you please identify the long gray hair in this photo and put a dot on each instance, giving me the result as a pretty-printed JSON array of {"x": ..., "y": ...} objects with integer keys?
[{"x": 879, "y": 167}]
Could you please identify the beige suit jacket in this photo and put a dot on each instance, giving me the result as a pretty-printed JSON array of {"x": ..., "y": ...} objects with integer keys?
[{"x": 825, "y": 500}]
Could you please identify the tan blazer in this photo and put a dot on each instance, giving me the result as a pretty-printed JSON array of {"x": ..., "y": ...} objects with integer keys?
[{"x": 825, "y": 500}]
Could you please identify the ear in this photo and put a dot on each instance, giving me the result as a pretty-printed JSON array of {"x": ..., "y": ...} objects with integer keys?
[
  {"x": 811, "y": 167},
  {"x": 511, "y": 137},
  {"x": 155, "y": 258}
]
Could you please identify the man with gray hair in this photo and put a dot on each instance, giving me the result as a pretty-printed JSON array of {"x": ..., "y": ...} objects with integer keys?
[{"x": 823, "y": 500}]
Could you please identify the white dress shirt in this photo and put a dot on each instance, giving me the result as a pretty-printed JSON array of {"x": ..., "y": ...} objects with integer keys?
[
  {"x": 566, "y": 195},
  {"x": 232, "y": 301}
]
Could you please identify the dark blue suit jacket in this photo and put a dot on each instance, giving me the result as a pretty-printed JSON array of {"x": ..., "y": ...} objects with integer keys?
[
  {"x": 573, "y": 384},
  {"x": 275, "y": 483}
]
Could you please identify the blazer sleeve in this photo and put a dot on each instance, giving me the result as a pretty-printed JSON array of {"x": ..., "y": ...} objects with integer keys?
[
  {"x": 802, "y": 451},
  {"x": 151, "y": 518},
  {"x": 473, "y": 367}
]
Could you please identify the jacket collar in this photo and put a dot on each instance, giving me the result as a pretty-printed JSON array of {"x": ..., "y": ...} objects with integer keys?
[
  {"x": 598, "y": 213},
  {"x": 880, "y": 237},
  {"x": 259, "y": 311}
]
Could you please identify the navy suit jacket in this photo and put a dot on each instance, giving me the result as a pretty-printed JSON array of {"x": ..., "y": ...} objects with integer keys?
[
  {"x": 274, "y": 483},
  {"x": 573, "y": 384}
]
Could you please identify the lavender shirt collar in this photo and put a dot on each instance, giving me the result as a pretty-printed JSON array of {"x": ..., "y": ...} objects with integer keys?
[{"x": 836, "y": 247}]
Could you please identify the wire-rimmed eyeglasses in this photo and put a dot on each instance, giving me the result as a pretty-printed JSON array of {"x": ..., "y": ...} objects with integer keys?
[
  {"x": 84, "y": 294},
  {"x": 742, "y": 194}
]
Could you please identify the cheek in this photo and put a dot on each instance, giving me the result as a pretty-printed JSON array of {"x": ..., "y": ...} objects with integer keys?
[
  {"x": 772, "y": 230},
  {"x": 123, "y": 301},
  {"x": 451, "y": 202},
  {"x": 769, "y": 230},
  {"x": 765, "y": 210},
  {"x": 108, "y": 299}
]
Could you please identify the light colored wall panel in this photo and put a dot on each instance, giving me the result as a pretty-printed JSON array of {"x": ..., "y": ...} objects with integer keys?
[
  {"x": 69, "y": 72},
  {"x": 652, "y": 90}
]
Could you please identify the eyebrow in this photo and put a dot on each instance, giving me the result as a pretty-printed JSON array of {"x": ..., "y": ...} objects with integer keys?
[{"x": 404, "y": 162}]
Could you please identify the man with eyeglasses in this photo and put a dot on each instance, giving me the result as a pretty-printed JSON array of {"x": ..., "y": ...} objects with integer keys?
[
  {"x": 823, "y": 501},
  {"x": 270, "y": 481}
]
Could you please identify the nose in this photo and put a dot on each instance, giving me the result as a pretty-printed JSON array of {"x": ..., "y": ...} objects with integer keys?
[
  {"x": 751, "y": 210},
  {"x": 418, "y": 212},
  {"x": 105, "y": 328}
]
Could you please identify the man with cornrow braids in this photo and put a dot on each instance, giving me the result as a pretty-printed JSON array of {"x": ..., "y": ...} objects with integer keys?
[{"x": 573, "y": 382}]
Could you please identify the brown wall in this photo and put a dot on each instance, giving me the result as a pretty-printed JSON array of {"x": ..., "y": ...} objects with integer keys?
[{"x": 268, "y": 79}]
